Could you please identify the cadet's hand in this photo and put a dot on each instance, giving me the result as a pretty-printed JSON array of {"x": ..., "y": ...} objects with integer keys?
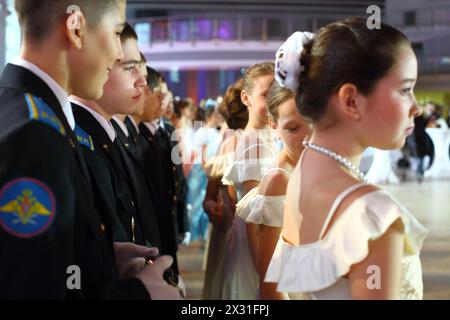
[
  {"x": 181, "y": 286},
  {"x": 184, "y": 238},
  {"x": 152, "y": 278},
  {"x": 130, "y": 258}
]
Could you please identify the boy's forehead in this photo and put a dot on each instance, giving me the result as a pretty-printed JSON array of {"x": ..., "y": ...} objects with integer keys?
[{"x": 131, "y": 50}]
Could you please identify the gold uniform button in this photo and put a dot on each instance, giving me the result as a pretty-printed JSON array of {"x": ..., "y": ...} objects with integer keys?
[{"x": 102, "y": 227}]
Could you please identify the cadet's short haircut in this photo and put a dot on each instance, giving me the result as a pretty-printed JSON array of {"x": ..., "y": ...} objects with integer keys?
[
  {"x": 38, "y": 18},
  {"x": 154, "y": 78},
  {"x": 128, "y": 33}
]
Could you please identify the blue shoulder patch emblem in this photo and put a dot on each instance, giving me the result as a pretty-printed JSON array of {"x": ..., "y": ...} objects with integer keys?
[
  {"x": 27, "y": 208},
  {"x": 84, "y": 138},
  {"x": 40, "y": 111}
]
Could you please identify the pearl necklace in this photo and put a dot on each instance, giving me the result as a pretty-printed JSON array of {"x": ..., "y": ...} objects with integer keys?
[{"x": 346, "y": 163}]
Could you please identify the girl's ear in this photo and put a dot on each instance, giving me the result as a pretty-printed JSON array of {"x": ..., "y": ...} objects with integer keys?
[
  {"x": 348, "y": 96},
  {"x": 272, "y": 123},
  {"x": 245, "y": 99}
]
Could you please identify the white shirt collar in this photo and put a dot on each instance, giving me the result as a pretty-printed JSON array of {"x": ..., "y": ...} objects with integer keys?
[
  {"x": 122, "y": 126},
  {"x": 151, "y": 126},
  {"x": 134, "y": 123},
  {"x": 161, "y": 123},
  {"x": 59, "y": 92},
  {"x": 106, "y": 125}
]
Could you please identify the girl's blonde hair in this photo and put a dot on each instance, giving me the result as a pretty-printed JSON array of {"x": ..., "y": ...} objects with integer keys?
[
  {"x": 276, "y": 96},
  {"x": 255, "y": 71}
]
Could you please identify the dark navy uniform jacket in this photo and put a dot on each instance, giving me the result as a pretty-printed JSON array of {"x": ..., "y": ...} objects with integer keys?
[
  {"x": 179, "y": 183},
  {"x": 109, "y": 171},
  {"x": 158, "y": 173},
  {"x": 48, "y": 220}
]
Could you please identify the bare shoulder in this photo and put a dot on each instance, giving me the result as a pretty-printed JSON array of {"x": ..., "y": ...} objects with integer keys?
[
  {"x": 355, "y": 195},
  {"x": 274, "y": 183},
  {"x": 350, "y": 198}
]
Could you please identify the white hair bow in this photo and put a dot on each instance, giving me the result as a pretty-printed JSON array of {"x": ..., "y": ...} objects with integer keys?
[{"x": 287, "y": 63}]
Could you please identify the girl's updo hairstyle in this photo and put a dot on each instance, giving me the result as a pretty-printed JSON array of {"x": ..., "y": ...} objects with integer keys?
[
  {"x": 345, "y": 51},
  {"x": 236, "y": 114}
]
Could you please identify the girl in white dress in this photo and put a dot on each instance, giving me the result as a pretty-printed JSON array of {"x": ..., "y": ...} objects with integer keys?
[
  {"x": 343, "y": 238},
  {"x": 266, "y": 208},
  {"x": 253, "y": 156},
  {"x": 219, "y": 203}
]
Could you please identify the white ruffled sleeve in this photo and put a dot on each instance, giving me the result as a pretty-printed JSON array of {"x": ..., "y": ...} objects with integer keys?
[
  {"x": 319, "y": 265},
  {"x": 245, "y": 170},
  {"x": 244, "y": 206},
  {"x": 259, "y": 209},
  {"x": 267, "y": 210}
]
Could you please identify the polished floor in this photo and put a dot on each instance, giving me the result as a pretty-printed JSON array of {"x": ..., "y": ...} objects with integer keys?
[{"x": 429, "y": 201}]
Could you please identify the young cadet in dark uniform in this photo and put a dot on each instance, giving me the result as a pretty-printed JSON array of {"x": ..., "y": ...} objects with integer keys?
[
  {"x": 157, "y": 167},
  {"x": 131, "y": 121},
  {"x": 168, "y": 143},
  {"x": 49, "y": 225},
  {"x": 123, "y": 93}
]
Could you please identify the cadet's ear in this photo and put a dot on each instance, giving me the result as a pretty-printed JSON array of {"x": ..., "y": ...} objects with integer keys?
[{"x": 76, "y": 28}]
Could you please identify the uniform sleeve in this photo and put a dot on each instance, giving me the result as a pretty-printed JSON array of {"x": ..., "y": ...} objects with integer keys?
[{"x": 37, "y": 204}]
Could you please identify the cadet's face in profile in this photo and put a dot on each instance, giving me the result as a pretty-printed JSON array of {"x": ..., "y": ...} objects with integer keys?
[
  {"x": 123, "y": 92},
  {"x": 101, "y": 47},
  {"x": 144, "y": 90},
  {"x": 152, "y": 104}
]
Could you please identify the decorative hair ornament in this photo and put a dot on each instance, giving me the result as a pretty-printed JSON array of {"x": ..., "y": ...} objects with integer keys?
[
  {"x": 210, "y": 104},
  {"x": 287, "y": 62}
]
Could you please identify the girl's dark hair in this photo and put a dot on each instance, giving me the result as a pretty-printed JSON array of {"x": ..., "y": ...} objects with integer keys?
[
  {"x": 178, "y": 107},
  {"x": 345, "y": 51},
  {"x": 236, "y": 116},
  {"x": 200, "y": 115}
]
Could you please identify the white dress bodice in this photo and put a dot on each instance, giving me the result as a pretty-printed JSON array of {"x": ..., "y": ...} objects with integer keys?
[{"x": 318, "y": 269}]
